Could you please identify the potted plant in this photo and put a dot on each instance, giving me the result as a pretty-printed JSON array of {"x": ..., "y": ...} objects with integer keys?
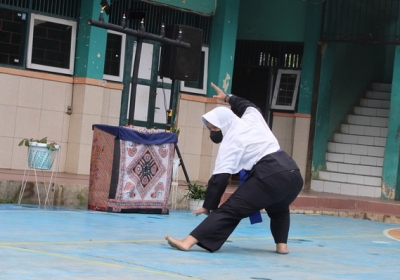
[
  {"x": 196, "y": 195},
  {"x": 41, "y": 153}
]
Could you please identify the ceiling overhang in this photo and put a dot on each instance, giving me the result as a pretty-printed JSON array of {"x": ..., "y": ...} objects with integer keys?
[{"x": 203, "y": 7}]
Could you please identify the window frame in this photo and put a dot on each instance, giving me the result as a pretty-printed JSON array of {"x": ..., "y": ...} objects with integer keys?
[
  {"x": 202, "y": 91},
  {"x": 41, "y": 67},
  {"x": 120, "y": 77},
  {"x": 277, "y": 86}
]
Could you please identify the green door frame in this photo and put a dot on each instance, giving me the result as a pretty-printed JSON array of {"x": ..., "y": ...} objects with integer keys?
[{"x": 152, "y": 83}]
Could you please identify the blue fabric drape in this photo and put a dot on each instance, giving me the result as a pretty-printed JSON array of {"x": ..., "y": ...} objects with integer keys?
[{"x": 127, "y": 134}]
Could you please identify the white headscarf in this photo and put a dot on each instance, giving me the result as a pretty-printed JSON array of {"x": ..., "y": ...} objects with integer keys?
[{"x": 245, "y": 140}]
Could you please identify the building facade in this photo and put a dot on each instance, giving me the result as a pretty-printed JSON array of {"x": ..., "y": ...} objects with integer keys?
[{"x": 302, "y": 64}]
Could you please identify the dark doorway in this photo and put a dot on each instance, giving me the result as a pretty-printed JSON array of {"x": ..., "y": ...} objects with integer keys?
[
  {"x": 255, "y": 68},
  {"x": 252, "y": 83}
]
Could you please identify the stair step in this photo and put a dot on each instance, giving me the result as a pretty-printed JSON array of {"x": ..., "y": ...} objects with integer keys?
[
  {"x": 369, "y": 121},
  {"x": 350, "y": 178},
  {"x": 372, "y": 112},
  {"x": 373, "y": 94},
  {"x": 354, "y": 159},
  {"x": 355, "y": 149},
  {"x": 359, "y": 139},
  {"x": 375, "y": 103},
  {"x": 355, "y": 129},
  {"x": 358, "y": 169},
  {"x": 345, "y": 188},
  {"x": 382, "y": 87}
]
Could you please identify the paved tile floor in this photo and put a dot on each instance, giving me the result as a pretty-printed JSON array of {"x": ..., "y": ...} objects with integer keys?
[{"x": 62, "y": 243}]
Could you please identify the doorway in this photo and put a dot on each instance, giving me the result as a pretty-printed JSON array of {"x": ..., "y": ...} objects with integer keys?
[{"x": 256, "y": 67}]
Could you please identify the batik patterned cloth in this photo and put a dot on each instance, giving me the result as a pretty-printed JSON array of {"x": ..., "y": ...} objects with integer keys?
[{"x": 139, "y": 174}]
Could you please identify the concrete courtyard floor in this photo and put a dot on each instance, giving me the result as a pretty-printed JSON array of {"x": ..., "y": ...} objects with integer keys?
[{"x": 70, "y": 243}]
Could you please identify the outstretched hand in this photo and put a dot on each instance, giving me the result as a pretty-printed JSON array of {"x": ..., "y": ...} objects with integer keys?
[
  {"x": 220, "y": 93},
  {"x": 201, "y": 210}
]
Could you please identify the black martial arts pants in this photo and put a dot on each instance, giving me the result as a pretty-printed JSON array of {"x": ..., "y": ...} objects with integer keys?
[{"x": 274, "y": 193}]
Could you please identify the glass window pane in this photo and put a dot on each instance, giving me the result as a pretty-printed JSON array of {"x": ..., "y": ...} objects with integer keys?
[
  {"x": 12, "y": 36},
  {"x": 113, "y": 54},
  {"x": 286, "y": 89},
  {"x": 51, "y": 45}
]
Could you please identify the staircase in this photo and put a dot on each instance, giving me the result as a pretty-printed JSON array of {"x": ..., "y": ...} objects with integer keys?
[{"x": 355, "y": 157}]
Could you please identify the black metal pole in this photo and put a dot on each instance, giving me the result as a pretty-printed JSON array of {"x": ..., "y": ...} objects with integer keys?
[
  {"x": 138, "y": 34},
  {"x": 183, "y": 165},
  {"x": 168, "y": 129},
  {"x": 168, "y": 125},
  {"x": 135, "y": 74}
]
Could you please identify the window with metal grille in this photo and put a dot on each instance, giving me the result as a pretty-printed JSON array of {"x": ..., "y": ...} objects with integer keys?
[
  {"x": 361, "y": 21},
  {"x": 12, "y": 36},
  {"x": 268, "y": 54},
  {"x": 60, "y": 8},
  {"x": 50, "y": 26},
  {"x": 51, "y": 44}
]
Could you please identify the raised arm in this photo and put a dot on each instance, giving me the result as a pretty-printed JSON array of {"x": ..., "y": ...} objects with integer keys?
[{"x": 238, "y": 104}]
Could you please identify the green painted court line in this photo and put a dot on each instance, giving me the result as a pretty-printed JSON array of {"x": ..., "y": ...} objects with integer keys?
[{"x": 175, "y": 275}]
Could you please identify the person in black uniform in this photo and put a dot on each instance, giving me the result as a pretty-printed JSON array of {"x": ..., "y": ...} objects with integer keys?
[{"x": 273, "y": 182}]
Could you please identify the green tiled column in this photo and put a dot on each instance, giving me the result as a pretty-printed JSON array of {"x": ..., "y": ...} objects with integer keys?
[
  {"x": 391, "y": 166},
  {"x": 311, "y": 38},
  {"x": 222, "y": 50},
  {"x": 91, "y": 42}
]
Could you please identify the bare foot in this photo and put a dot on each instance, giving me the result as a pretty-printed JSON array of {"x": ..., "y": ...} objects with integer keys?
[
  {"x": 281, "y": 248},
  {"x": 169, "y": 242},
  {"x": 178, "y": 244}
]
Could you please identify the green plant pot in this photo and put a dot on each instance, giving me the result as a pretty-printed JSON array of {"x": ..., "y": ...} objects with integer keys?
[
  {"x": 195, "y": 204},
  {"x": 39, "y": 157}
]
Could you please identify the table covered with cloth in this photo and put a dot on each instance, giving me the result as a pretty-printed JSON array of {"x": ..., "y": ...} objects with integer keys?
[{"x": 130, "y": 169}]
